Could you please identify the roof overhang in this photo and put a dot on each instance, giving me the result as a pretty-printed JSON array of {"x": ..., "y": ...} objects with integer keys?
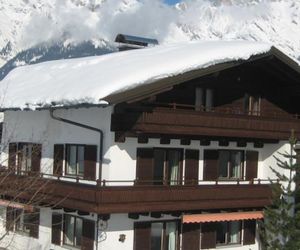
[{"x": 162, "y": 85}]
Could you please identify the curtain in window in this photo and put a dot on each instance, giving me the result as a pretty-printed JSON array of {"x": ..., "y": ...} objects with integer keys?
[
  {"x": 80, "y": 160},
  {"x": 171, "y": 235},
  {"x": 234, "y": 232},
  {"x": 174, "y": 158},
  {"x": 71, "y": 160},
  {"x": 156, "y": 236},
  {"x": 69, "y": 229},
  {"x": 236, "y": 161}
]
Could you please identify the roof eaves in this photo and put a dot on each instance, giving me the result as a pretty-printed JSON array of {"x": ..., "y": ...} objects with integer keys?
[{"x": 155, "y": 87}]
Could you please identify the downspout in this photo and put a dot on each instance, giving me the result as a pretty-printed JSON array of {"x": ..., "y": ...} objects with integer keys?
[
  {"x": 86, "y": 127},
  {"x": 100, "y": 151}
]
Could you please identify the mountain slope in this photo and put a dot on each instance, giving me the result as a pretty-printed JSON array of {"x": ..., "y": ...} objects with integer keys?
[{"x": 30, "y": 24}]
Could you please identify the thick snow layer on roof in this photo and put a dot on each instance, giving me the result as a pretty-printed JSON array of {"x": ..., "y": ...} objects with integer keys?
[{"x": 91, "y": 79}]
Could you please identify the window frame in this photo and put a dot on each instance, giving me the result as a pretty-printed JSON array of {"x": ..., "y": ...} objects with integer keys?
[
  {"x": 66, "y": 159},
  {"x": 164, "y": 237},
  {"x": 228, "y": 233},
  {"x": 230, "y": 165},
  {"x": 166, "y": 169},
  {"x": 74, "y": 240}
]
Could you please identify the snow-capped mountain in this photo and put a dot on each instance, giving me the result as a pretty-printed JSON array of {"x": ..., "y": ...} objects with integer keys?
[{"x": 30, "y": 24}]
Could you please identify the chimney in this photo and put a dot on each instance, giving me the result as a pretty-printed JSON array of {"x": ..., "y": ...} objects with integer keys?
[{"x": 128, "y": 42}]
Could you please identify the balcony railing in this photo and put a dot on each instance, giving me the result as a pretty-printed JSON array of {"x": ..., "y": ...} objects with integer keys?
[
  {"x": 116, "y": 197},
  {"x": 185, "y": 121}
]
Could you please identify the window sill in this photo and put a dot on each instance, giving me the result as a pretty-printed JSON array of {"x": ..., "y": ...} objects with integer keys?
[
  {"x": 66, "y": 246},
  {"x": 229, "y": 246}
]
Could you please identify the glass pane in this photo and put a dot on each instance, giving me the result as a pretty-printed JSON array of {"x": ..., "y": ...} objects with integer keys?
[
  {"x": 171, "y": 228},
  {"x": 28, "y": 156},
  {"x": 23, "y": 158},
  {"x": 223, "y": 163},
  {"x": 78, "y": 231},
  {"x": 221, "y": 232},
  {"x": 71, "y": 161},
  {"x": 69, "y": 229},
  {"x": 80, "y": 160},
  {"x": 27, "y": 222},
  {"x": 234, "y": 234},
  {"x": 159, "y": 162},
  {"x": 173, "y": 165},
  {"x": 156, "y": 236},
  {"x": 236, "y": 164}
]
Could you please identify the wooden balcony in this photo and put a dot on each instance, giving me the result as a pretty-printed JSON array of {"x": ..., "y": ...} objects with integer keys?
[
  {"x": 185, "y": 123},
  {"x": 143, "y": 198}
]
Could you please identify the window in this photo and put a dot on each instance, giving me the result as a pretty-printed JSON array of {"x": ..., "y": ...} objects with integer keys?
[
  {"x": 167, "y": 166},
  {"x": 228, "y": 233},
  {"x": 23, "y": 221},
  {"x": 72, "y": 230},
  {"x": 75, "y": 160},
  {"x": 231, "y": 164},
  {"x": 204, "y": 98},
  {"x": 252, "y": 104},
  {"x": 156, "y": 235},
  {"x": 26, "y": 156}
]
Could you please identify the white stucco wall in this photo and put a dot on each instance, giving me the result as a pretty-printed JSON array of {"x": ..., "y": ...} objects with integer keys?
[{"x": 119, "y": 163}]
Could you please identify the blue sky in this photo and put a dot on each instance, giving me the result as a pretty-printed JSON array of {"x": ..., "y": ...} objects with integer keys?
[{"x": 172, "y": 1}]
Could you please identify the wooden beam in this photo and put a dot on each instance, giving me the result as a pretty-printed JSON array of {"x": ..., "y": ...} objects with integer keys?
[
  {"x": 142, "y": 139},
  {"x": 185, "y": 141},
  {"x": 165, "y": 140}
]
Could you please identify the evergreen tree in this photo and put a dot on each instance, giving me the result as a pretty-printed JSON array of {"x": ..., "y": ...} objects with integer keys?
[{"x": 280, "y": 229}]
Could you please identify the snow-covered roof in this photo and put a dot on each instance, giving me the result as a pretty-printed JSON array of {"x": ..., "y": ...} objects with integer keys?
[{"x": 92, "y": 79}]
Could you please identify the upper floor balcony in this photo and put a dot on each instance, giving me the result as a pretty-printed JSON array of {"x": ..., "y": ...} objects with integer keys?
[
  {"x": 186, "y": 121},
  {"x": 131, "y": 197}
]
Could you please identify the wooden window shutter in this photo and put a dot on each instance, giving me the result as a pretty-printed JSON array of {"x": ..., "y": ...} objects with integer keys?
[
  {"x": 251, "y": 164},
  {"x": 144, "y": 166},
  {"x": 34, "y": 223},
  {"x": 208, "y": 235},
  {"x": 58, "y": 159},
  {"x": 57, "y": 220},
  {"x": 249, "y": 232},
  {"x": 142, "y": 236},
  {"x": 90, "y": 161},
  {"x": 191, "y": 167},
  {"x": 12, "y": 156},
  {"x": 36, "y": 157},
  {"x": 88, "y": 235},
  {"x": 9, "y": 219},
  {"x": 191, "y": 236},
  {"x": 210, "y": 165}
]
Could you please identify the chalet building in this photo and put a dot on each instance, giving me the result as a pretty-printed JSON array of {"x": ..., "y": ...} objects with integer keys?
[{"x": 162, "y": 148}]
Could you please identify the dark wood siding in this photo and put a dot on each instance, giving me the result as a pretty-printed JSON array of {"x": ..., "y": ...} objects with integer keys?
[
  {"x": 191, "y": 167},
  {"x": 251, "y": 164},
  {"x": 142, "y": 236},
  {"x": 210, "y": 165},
  {"x": 57, "y": 220},
  {"x": 191, "y": 236},
  {"x": 249, "y": 232},
  {"x": 36, "y": 157},
  {"x": 208, "y": 238},
  {"x": 12, "y": 156},
  {"x": 88, "y": 235},
  {"x": 58, "y": 159},
  {"x": 90, "y": 160},
  {"x": 144, "y": 166}
]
